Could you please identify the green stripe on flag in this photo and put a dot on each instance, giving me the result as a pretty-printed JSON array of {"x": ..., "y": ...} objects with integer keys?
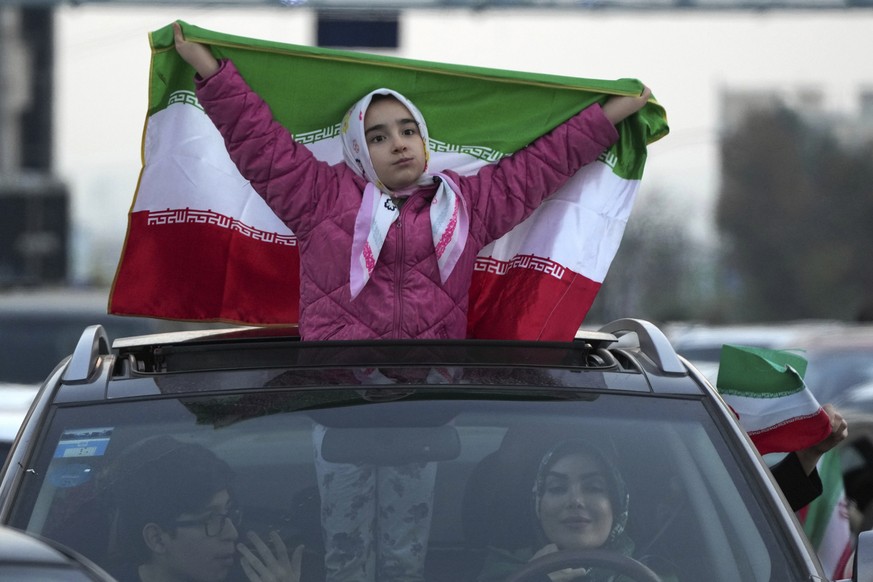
[
  {"x": 821, "y": 511},
  {"x": 310, "y": 89},
  {"x": 759, "y": 373}
]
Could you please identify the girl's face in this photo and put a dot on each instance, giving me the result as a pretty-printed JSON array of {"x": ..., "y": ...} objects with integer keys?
[
  {"x": 395, "y": 144},
  {"x": 575, "y": 510}
]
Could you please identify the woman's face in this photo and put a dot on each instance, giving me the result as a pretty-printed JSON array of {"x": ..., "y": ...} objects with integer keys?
[{"x": 575, "y": 510}]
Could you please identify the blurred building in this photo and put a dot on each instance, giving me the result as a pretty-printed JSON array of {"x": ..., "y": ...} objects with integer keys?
[{"x": 34, "y": 205}]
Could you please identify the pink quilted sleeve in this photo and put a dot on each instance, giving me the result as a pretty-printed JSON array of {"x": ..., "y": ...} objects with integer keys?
[
  {"x": 504, "y": 194},
  {"x": 283, "y": 172}
]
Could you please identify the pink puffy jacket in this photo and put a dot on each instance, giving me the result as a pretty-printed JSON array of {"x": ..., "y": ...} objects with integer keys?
[{"x": 404, "y": 297}]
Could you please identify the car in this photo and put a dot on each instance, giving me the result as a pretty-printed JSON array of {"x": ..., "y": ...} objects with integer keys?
[
  {"x": 838, "y": 361},
  {"x": 859, "y": 398},
  {"x": 289, "y": 420},
  {"x": 25, "y": 558},
  {"x": 701, "y": 344}
]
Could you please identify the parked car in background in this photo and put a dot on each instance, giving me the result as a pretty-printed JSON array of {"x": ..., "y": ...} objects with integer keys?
[
  {"x": 701, "y": 344},
  {"x": 859, "y": 398},
  {"x": 703, "y": 505},
  {"x": 838, "y": 361}
]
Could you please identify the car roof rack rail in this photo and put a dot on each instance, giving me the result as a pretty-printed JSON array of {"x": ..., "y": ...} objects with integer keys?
[
  {"x": 93, "y": 343},
  {"x": 651, "y": 341}
]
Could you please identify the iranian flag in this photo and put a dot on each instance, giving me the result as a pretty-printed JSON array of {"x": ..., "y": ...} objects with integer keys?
[
  {"x": 826, "y": 520},
  {"x": 201, "y": 245},
  {"x": 765, "y": 388}
]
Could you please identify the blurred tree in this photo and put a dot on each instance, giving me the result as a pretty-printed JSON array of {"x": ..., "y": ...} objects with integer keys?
[{"x": 794, "y": 214}]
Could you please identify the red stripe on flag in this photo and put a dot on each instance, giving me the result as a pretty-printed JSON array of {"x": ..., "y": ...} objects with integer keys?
[
  {"x": 844, "y": 567},
  {"x": 205, "y": 272},
  {"x": 792, "y": 435},
  {"x": 525, "y": 303}
]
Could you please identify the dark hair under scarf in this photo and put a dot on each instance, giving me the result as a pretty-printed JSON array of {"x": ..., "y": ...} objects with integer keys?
[{"x": 618, "y": 540}]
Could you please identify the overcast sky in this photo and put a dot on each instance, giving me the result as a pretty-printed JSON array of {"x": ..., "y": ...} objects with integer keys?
[{"x": 687, "y": 58}]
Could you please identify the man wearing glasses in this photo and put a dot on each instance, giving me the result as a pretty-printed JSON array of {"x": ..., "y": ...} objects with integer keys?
[{"x": 176, "y": 520}]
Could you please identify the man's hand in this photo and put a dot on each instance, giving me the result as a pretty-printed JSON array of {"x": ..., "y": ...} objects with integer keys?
[{"x": 268, "y": 566}]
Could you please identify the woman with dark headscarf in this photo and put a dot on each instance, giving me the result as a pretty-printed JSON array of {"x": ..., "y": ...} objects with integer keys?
[{"x": 580, "y": 502}]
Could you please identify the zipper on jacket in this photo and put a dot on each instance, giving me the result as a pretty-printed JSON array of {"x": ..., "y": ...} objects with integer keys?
[{"x": 398, "y": 276}]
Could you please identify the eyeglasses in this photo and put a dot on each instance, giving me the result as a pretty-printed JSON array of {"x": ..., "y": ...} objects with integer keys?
[{"x": 214, "y": 522}]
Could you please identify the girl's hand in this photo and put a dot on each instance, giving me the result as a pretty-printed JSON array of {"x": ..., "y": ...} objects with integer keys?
[
  {"x": 269, "y": 566},
  {"x": 195, "y": 54},
  {"x": 618, "y": 108}
]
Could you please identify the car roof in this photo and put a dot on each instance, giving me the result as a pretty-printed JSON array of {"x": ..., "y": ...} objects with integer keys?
[{"x": 628, "y": 354}]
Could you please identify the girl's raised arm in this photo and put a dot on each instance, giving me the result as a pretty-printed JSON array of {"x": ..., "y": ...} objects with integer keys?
[
  {"x": 618, "y": 108},
  {"x": 195, "y": 54}
]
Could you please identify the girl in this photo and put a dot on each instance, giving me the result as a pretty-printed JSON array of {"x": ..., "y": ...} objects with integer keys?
[{"x": 387, "y": 248}]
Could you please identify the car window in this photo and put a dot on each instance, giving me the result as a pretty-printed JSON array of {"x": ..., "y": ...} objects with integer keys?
[{"x": 693, "y": 511}]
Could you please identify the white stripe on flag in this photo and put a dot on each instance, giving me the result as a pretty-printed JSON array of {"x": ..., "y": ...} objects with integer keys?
[
  {"x": 187, "y": 166},
  {"x": 590, "y": 211},
  {"x": 763, "y": 413},
  {"x": 836, "y": 539}
]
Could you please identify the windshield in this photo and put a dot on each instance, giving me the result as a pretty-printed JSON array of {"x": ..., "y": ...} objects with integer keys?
[{"x": 469, "y": 476}]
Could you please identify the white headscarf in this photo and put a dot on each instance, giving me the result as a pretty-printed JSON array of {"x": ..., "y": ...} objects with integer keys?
[{"x": 448, "y": 213}]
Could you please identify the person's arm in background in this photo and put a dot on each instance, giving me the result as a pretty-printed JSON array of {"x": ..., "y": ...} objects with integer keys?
[{"x": 797, "y": 475}]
